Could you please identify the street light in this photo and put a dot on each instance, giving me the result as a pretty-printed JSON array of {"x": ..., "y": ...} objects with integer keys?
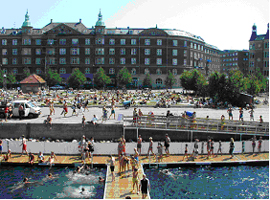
[{"x": 4, "y": 81}]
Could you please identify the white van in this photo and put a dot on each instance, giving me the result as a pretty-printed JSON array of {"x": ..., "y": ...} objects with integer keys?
[{"x": 30, "y": 109}]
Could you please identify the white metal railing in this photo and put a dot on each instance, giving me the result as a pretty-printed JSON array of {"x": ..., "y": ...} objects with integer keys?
[{"x": 179, "y": 123}]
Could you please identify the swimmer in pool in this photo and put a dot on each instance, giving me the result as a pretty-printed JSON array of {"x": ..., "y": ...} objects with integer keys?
[{"x": 82, "y": 192}]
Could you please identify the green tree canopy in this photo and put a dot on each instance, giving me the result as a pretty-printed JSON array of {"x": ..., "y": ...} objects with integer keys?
[
  {"x": 11, "y": 78},
  {"x": 123, "y": 77},
  {"x": 52, "y": 77},
  {"x": 101, "y": 79},
  {"x": 252, "y": 85},
  {"x": 194, "y": 80},
  {"x": 76, "y": 79},
  {"x": 147, "y": 81},
  {"x": 170, "y": 80}
]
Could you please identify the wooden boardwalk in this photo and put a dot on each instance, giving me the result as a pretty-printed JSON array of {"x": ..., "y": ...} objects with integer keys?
[{"x": 122, "y": 186}]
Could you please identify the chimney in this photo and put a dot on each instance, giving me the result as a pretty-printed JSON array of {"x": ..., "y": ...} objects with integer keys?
[
  {"x": 80, "y": 20},
  {"x": 51, "y": 20}
]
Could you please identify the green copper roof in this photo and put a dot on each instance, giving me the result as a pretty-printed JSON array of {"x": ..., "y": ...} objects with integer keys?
[
  {"x": 26, "y": 21},
  {"x": 100, "y": 22}
]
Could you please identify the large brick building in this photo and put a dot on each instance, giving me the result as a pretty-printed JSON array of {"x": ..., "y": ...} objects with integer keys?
[
  {"x": 66, "y": 46},
  {"x": 234, "y": 60},
  {"x": 259, "y": 52}
]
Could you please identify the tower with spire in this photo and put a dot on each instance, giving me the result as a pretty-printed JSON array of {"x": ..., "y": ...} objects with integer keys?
[
  {"x": 26, "y": 26},
  {"x": 254, "y": 33},
  {"x": 100, "y": 26}
]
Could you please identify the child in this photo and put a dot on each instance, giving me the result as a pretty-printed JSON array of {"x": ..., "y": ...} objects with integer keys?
[
  {"x": 40, "y": 157},
  {"x": 160, "y": 152},
  {"x": 31, "y": 158},
  {"x": 7, "y": 156}
]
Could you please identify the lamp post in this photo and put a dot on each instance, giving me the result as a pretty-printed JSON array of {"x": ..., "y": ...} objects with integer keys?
[{"x": 4, "y": 81}]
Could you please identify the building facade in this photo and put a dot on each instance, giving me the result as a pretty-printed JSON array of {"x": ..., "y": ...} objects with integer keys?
[
  {"x": 66, "y": 46},
  {"x": 234, "y": 60},
  {"x": 259, "y": 52}
]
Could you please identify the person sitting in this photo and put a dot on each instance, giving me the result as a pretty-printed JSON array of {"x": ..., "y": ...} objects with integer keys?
[
  {"x": 100, "y": 179},
  {"x": 31, "y": 158},
  {"x": 7, "y": 156},
  {"x": 94, "y": 120},
  {"x": 40, "y": 157}
]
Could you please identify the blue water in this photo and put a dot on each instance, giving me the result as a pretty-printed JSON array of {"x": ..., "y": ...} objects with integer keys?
[
  {"x": 65, "y": 184},
  {"x": 241, "y": 182}
]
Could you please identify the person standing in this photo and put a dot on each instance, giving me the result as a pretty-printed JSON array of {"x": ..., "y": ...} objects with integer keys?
[
  {"x": 260, "y": 144},
  {"x": 112, "y": 112},
  {"x": 135, "y": 181},
  {"x": 135, "y": 117},
  {"x": 186, "y": 152},
  {"x": 150, "y": 149},
  {"x": 196, "y": 148},
  {"x": 49, "y": 121},
  {"x": 24, "y": 146},
  {"x": 219, "y": 148},
  {"x": 91, "y": 147},
  {"x": 251, "y": 114},
  {"x": 222, "y": 119},
  {"x": 140, "y": 116},
  {"x": 167, "y": 144},
  {"x": 21, "y": 111},
  {"x": 144, "y": 186},
  {"x": 83, "y": 121},
  {"x": 112, "y": 166},
  {"x": 83, "y": 147},
  {"x": 231, "y": 147},
  {"x": 253, "y": 144},
  {"x": 85, "y": 105},
  {"x": 139, "y": 144},
  {"x": 241, "y": 117},
  {"x": 230, "y": 113},
  {"x": 1, "y": 146}
]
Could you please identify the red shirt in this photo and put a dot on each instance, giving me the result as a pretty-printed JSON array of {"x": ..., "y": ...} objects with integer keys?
[{"x": 6, "y": 109}]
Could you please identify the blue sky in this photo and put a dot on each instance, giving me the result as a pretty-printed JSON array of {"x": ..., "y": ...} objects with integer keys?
[{"x": 226, "y": 24}]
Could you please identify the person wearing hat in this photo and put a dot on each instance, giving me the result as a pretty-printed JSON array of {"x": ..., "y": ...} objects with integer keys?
[{"x": 151, "y": 146}]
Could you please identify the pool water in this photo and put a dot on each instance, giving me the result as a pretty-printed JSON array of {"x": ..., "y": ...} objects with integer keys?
[
  {"x": 65, "y": 184},
  {"x": 241, "y": 182}
]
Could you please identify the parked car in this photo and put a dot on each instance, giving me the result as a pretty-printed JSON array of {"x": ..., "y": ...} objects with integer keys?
[{"x": 57, "y": 87}]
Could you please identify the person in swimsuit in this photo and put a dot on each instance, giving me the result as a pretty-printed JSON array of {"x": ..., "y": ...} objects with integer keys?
[
  {"x": 7, "y": 156},
  {"x": 219, "y": 148},
  {"x": 112, "y": 166},
  {"x": 251, "y": 114},
  {"x": 83, "y": 121},
  {"x": 139, "y": 144},
  {"x": 31, "y": 158},
  {"x": 123, "y": 141},
  {"x": 208, "y": 144},
  {"x": 241, "y": 112},
  {"x": 1, "y": 146},
  {"x": 186, "y": 152},
  {"x": 167, "y": 144},
  {"x": 160, "y": 152},
  {"x": 91, "y": 148},
  {"x": 230, "y": 113},
  {"x": 51, "y": 158},
  {"x": 151, "y": 147},
  {"x": 135, "y": 181},
  {"x": 112, "y": 112},
  {"x": 260, "y": 144},
  {"x": 231, "y": 147},
  {"x": 144, "y": 186},
  {"x": 136, "y": 155},
  {"x": 253, "y": 144},
  {"x": 40, "y": 157},
  {"x": 24, "y": 146}
]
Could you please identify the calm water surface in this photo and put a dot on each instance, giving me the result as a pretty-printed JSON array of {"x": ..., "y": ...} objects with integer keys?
[
  {"x": 66, "y": 185},
  {"x": 241, "y": 182}
]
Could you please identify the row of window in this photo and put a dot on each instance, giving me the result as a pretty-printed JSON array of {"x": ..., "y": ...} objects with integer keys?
[
  {"x": 76, "y": 60},
  {"x": 98, "y": 51},
  {"x": 230, "y": 64},
  {"x": 229, "y": 60},
  {"x": 230, "y": 54},
  {"x": 87, "y": 71}
]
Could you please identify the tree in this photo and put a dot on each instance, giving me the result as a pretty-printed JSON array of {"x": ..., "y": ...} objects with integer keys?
[
  {"x": 123, "y": 77},
  {"x": 76, "y": 79},
  {"x": 52, "y": 77},
  {"x": 11, "y": 78},
  {"x": 252, "y": 84},
  {"x": 170, "y": 80},
  {"x": 26, "y": 73},
  {"x": 194, "y": 80},
  {"x": 101, "y": 79},
  {"x": 147, "y": 81}
]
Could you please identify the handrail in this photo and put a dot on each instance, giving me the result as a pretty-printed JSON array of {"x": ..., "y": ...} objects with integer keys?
[{"x": 180, "y": 123}]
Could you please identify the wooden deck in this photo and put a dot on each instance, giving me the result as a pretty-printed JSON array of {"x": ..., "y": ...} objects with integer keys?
[{"x": 122, "y": 186}]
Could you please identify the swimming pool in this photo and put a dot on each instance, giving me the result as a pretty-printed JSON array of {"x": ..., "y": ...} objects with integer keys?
[
  {"x": 241, "y": 182},
  {"x": 66, "y": 185}
]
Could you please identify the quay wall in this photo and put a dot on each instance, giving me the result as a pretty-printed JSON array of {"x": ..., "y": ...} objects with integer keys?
[
  {"x": 70, "y": 131},
  {"x": 71, "y": 148}
]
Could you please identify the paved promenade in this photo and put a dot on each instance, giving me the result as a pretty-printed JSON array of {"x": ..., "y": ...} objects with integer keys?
[{"x": 122, "y": 186}]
